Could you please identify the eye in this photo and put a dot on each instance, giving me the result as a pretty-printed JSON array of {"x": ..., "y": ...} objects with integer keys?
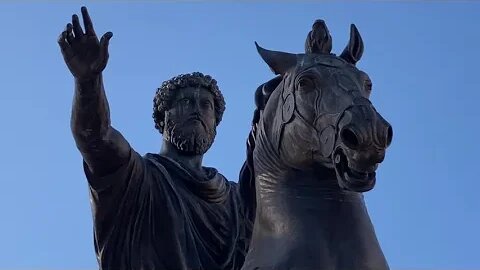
[
  {"x": 207, "y": 104},
  {"x": 305, "y": 83},
  {"x": 184, "y": 101}
]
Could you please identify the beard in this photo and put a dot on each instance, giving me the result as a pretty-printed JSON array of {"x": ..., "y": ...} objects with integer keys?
[{"x": 189, "y": 139}]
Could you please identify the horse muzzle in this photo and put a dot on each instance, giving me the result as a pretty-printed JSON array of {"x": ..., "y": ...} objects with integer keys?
[{"x": 362, "y": 139}]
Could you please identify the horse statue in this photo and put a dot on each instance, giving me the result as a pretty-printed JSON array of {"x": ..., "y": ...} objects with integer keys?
[{"x": 315, "y": 145}]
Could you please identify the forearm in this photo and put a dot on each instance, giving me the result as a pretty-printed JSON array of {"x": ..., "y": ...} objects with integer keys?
[
  {"x": 90, "y": 119},
  {"x": 103, "y": 148}
]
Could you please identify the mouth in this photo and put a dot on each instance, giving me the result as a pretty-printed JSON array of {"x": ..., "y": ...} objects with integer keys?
[
  {"x": 349, "y": 178},
  {"x": 196, "y": 120}
]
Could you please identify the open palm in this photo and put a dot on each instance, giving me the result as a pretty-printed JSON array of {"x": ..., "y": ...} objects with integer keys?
[{"x": 84, "y": 54}]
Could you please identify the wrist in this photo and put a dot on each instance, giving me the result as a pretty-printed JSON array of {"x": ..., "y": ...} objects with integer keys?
[{"x": 91, "y": 82}]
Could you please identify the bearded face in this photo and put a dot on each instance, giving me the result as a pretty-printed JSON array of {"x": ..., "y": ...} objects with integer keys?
[{"x": 190, "y": 122}]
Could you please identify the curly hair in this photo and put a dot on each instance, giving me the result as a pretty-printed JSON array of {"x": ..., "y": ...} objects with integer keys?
[{"x": 167, "y": 91}]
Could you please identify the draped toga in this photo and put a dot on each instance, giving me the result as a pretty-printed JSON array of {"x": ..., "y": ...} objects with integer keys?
[{"x": 154, "y": 213}]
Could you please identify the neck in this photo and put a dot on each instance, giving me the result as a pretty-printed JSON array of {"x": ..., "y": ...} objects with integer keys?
[
  {"x": 193, "y": 162},
  {"x": 318, "y": 184},
  {"x": 304, "y": 215}
]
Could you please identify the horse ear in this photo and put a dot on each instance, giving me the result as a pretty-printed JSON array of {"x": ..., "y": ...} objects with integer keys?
[
  {"x": 354, "y": 50},
  {"x": 279, "y": 62}
]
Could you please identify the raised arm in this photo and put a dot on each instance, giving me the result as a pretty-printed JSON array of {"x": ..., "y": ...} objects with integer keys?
[{"x": 103, "y": 148}]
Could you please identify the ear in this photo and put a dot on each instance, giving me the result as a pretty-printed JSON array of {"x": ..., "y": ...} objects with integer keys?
[
  {"x": 354, "y": 50},
  {"x": 279, "y": 62}
]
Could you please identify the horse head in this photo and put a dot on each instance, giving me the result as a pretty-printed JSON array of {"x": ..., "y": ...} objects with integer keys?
[{"x": 317, "y": 112}]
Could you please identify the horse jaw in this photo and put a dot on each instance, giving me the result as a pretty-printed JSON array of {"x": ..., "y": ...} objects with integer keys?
[{"x": 349, "y": 178}]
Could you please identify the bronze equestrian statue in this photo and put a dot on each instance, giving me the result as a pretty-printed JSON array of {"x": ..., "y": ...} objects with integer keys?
[
  {"x": 313, "y": 149},
  {"x": 158, "y": 211},
  {"x": 315, "y": 146}
]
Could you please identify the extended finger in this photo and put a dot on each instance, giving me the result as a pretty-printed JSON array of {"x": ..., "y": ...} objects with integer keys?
[
  {"x": 77, "y": 28},
  {"x": 64, "y": 46},
  {"x": 87, "y": 22},
  {"x": 69, "y": 31},
  {"x": 103, "y": 56},
  {"x": 62, "y": 41},
  {"x": 105, "y": 40}
]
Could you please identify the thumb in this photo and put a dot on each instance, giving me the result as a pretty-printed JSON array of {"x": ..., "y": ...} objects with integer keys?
[{"x": 103, "y": 53}]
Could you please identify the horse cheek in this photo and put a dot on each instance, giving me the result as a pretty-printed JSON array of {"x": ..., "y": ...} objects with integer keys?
[
  {"x": 298, "y": 143},
  {"x": 327, "y": 141}
]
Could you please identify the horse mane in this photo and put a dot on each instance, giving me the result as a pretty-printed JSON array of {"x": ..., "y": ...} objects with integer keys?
[{"x": 247, "y": 172}]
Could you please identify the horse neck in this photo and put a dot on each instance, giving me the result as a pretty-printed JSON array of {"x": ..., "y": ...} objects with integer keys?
[
  {"x": 312, "y": 190},
  {"x": 303, "y": 216}
]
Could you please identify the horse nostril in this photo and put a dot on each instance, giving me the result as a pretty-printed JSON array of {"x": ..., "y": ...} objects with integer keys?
[
  {"x": 380, "y": 157},
  {"x": 389, "y": 135},
  {"x": 349, "y": 138}
]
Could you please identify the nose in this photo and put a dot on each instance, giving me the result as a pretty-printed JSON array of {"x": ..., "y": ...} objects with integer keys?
[
  {"x": 384, "y": 132},
  {"x": 362, "y": 126},
  {"x": 350, "y": 137},
  {"x": 196, "y": 107},
  {"x": 389, "y": 135}
]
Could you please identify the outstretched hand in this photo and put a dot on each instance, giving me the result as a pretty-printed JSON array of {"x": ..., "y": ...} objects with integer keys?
[{"x": 84, "y": 54}]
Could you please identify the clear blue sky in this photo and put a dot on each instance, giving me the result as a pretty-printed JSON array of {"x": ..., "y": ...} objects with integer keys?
[{"x": 422, "y": 57}]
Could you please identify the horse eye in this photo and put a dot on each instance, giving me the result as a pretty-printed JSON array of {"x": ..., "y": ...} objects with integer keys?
[{"x": 306, "y": 83}]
